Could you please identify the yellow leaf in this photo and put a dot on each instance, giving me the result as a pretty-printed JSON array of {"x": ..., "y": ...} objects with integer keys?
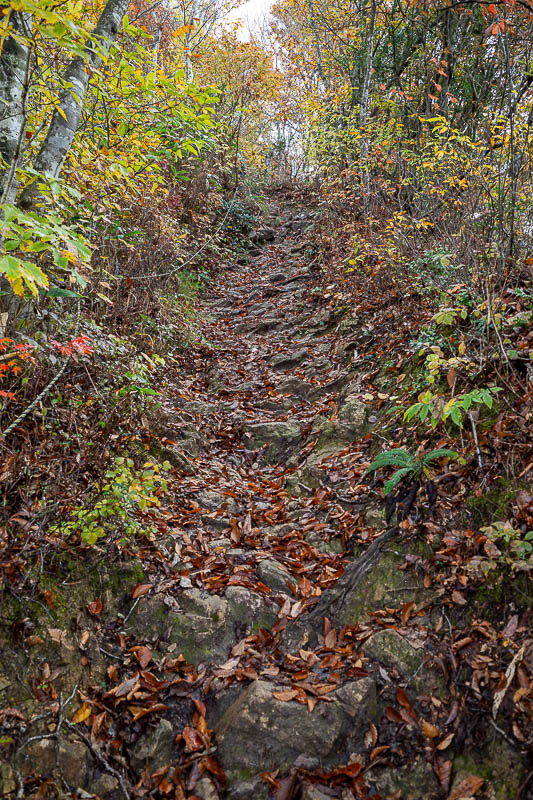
[{"x": 82, "y": 713}]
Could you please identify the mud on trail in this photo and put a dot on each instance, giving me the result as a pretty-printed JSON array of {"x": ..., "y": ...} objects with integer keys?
[{"x": 281, "y": 639}]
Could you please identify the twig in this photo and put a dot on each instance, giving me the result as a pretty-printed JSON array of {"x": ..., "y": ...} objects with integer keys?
[
  {"x": 476, "y": 442},
  {"x": 100, "y": 757}
]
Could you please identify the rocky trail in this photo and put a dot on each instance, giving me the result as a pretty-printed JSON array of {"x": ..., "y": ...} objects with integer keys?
[{"x": 281, "y": 640}]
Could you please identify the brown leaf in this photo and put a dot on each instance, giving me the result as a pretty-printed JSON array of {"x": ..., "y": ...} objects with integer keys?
[
  {"x": 193, "y": 740},
  {"x": 143, "y": 655},
  {"x": 467, "y": 788},
  {"x": 459, "y": 598},
  {"x": 446, "y": 742},
  {"x": 285, "y": 695},
  {"x": 429, "y": 730},
  {"x": 444, "y": 773},
  {"x": 95, "y": 607},
  {"x": 393, "y": 714},
  {"x": 139, "y": 589}
]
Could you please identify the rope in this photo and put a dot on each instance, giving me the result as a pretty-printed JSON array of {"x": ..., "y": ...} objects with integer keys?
[{"x": 32, "y": 405}]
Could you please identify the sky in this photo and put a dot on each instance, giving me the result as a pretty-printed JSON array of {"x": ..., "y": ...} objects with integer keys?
[{"x": 251, "y": 12}]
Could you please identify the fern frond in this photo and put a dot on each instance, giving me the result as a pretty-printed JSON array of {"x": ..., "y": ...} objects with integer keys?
[
  {"x": 399, "y": 475},
  {"x": 392, "y": 458},
  {"x": 442, "y": 453}
]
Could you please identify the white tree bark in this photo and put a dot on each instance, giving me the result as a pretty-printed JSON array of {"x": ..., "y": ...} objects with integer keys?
[
  {"x": 363, "y": 108},
  {"x": 63, "y": 126},
  {"x": 14, "y": 77}
]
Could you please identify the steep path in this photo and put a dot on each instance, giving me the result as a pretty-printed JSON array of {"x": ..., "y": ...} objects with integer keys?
[{"x": 280, "y": 641}]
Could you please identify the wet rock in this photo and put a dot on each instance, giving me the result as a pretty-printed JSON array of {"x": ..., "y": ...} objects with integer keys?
[
  {"x": 251, "y": 609},
  {"x": 274, "y": 576},
  {"x": 248, "y": 789},
  {"x": 277, "y": 437},
  {"x": 154, "y": 747},
  {"x": 287, "y": 360}
]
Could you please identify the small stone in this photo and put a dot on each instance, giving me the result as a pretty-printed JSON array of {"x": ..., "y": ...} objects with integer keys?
[
  {"x": 334, "y": 546},
  {"x": 353, "y": 410},
  {"x": 251, "y": 608},
  {"x": 205, "y": 789},
  {"x": 104, "y": 785},
  {"x": 276, "y": 437},
  {"x": 219, "y": 544}
]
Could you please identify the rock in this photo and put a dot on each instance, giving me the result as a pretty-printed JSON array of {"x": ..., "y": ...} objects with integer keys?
[
  {"x": 376, "y": 518},
  {"x": 414, "y": 781},
  {"x": 154, "y": 747},
  {"x": 260, "y": 733},
  {"x": 73, "y": 759},
  {"x": 498, "y": 764},
  {"x": 286, "y": 360},
  {"x": 215, "y": 524},
  {"x": 277, "y": 277},
  {"x": 393, "y": 650},
  {"x": 263, "y": 235},
  {"x": 294, "y": 386},
  {"x": 200, "y": 407},
  {"x": 215, "y": 500},
  {"x": 175, "y": 457},
  {"x": 274, "y": 576},
  {"x": 333, "y": 436},
  {"x": 205, "y": 789},
  {"x": 353, "y": 410},
  {"x": 248, "y": 789},
  {"x": 220, "y": 544},
  {"x": 333, "y": 546},
  {"x": 276, "y": 437},
  {"x": 199, "y": 625},
  {"x": 251, "y": 609},
  {"x": 310, "y": 792},
  {"x": 104, "y": 785},
  {"x": 8, "y": 784},
  {"x": 383, "y": 585}
]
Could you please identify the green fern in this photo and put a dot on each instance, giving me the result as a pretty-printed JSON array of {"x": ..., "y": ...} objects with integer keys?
[{"x": 411, "y": 466}]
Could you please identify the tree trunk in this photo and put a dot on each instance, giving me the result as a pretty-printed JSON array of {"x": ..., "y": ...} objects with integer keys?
[
  {"x": 14, "y": 74},
  {"x": 65, "y": 121},
  {"x": 363, "y": 111}
]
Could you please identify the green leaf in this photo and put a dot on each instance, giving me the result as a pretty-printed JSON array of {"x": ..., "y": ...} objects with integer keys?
[
  {"x": 399, "y": 475},
  {"x": 57, "y": 291},
  {"x": 442, "y": 453},
  {"x": 391, "y": 458}
]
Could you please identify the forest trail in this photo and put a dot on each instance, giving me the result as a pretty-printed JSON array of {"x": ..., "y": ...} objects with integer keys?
[
  {"x": 277, "y": 638},
  {"x": 269, "y": 430}
]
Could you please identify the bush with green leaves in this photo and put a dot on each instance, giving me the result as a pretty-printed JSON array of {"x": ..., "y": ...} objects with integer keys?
[
  {"x": 127, "y": 491},
  {"x": 433, "y": 407},
  {"x": 411, "y": 467}
]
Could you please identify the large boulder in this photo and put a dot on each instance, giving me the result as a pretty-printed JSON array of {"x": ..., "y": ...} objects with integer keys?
[{"x": 259, "y": 732}]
